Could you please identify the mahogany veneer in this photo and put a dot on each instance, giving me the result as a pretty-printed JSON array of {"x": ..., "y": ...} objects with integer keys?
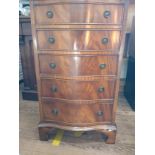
[
  {"x": 78, "y": 89},
  {"x": 75, "y": 13},
  {"x": 78, "y": 50},
  {"x": 78, "y": 40},
  {"x": 78, "y": 65},
  {"x": 60, "y": 112}
]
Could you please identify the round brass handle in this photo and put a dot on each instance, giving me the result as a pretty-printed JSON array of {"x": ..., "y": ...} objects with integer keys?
[
  {"x": 106, "y": 14},
  {"x": 54, "y": 89},
  {"x": 55, "y": 112},
  {"x": 52, "y": 65},
  {"x": 99, "y": 113},
  {"x": 105, "y": 40},
  {"x": 51, "y": 40},
  {"x": 50, "y": 14},
  {"x": 102, "y": 66},
  {"x": 101, "y": 89}
]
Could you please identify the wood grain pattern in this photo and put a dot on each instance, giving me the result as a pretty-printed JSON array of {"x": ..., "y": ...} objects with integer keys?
[
  {"x": 76, "y": 33},
  {"x": 78, "y": 90},
  {"x": 78, "y": 40},
  {"x": 36, "y": 56},
  {"x": 102, "y": 101},
  {"x": 80, "y": 26},
  {"x": 113, "y": 52},
  {"x": 74, "y": 65},
  {"x": 112, "y": 2},
  {"x": 70, "y": 14},
  {"x": 69, "y": 126},
  {"x": 77, "y": 114}
]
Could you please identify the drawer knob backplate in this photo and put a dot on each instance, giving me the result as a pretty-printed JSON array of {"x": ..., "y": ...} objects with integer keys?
[
  {"x": 50, "y": 14},
  {"x": 52, "y": 65},
  {"x": 51, "y": 40},
  {"x": 102, "y": 66},
  {"x": 106, "y": 14},
  {"x": 54, "y": 89},
  {"x": 99, "y": 113},
  {"x": 55, "y": 112},
  {"x": 101, "y": 89},
  {"x": 105, "y": 40}
]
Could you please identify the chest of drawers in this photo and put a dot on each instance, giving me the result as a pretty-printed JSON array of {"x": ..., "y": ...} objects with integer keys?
[{"x": 78, "y": 48}]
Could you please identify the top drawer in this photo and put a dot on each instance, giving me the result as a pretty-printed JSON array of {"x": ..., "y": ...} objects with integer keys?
[{"x": 78, "y": 13}]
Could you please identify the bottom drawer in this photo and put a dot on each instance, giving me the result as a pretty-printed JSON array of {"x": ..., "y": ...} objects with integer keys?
[{"x": 76, "y": 113}]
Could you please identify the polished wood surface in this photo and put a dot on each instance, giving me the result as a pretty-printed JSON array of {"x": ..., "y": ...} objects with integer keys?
[
  {"x": 70, "y": 14},
  {"x": 78, "y": 90},
  {"x": 77, "y": 114},
  {"x": 80, "y": 26},
  {"x": 110, "y": 136},
  {"x": 69, "y": 48},
  {"x": 77, "y": 65},
  {"x": 78, "y": 40},
  {"x": 109, "y": 130},
  {"x": 43, "y": 2}
]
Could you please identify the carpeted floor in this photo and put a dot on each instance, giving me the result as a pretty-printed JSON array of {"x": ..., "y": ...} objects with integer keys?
[{"x": 90, "y": 143}]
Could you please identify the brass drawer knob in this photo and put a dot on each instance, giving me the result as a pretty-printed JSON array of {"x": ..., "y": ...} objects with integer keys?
[
  {"x": 54, "y": 89},
  {"x": 106, "y": 14},
  {"x": 55, "y": 112},
  {"x": 104, "y": 40},
  {"x": 52, "y": 65},
  {"x": 102, "y": 66},
  {"x": 51, "y": 40},
  {"x": 99, "y": 113},
  {"x": 101, "y": 89},
  {"x": 50, "y": 14}
]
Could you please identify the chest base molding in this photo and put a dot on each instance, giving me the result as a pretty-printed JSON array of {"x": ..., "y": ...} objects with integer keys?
[{"x": 107, "y": 129}]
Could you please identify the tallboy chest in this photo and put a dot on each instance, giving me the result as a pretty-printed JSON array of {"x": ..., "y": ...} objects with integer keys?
[{"x": 78, "y": 58}]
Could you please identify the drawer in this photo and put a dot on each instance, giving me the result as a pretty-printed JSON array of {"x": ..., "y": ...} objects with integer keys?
[
  {"x": 78, "y": 13},
  {"x": 75, "y": 65},
  {"x": 101, "y": 88},
  {"x": 76, "y": 113},
  {"x": 78, "y": 40}
]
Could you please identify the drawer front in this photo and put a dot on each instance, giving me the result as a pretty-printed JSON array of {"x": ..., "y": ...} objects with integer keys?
[
  {"x": 78, "y": 40},
  {"x": 78, "y": 90},
  {"x": 78, "y": 13},
  {"x": 76, "y": 113},
  {"x": 75, "y": 65}
]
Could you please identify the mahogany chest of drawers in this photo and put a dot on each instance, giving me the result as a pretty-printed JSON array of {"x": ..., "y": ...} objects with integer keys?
[{"x": 78, "y": 50}]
